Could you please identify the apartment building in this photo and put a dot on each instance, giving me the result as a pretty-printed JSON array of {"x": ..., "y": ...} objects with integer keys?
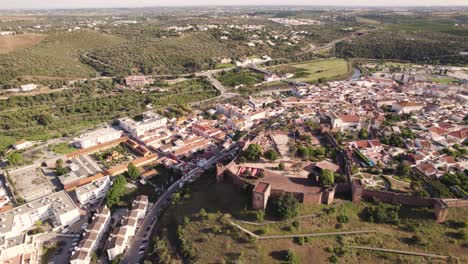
[
  {"x": 91, "y": 240},
  {"x": 93, "y": 192},
  {"x": 21, "y": 249},
  {"x": 121, "y": 236},
  {"x": 150, "y": 123},
  {"x": 57, "y": 207},
  {"x": 97, "y": 137}
]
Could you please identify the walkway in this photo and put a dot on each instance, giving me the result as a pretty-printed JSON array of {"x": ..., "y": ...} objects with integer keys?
[{"x": 401, "y": 252}]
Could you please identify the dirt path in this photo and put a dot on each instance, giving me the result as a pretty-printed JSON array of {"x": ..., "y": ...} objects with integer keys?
[{"x": 402, "y": 252}]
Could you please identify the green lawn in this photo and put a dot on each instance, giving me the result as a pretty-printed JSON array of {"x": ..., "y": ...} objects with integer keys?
[
  {"x": 312, "y": 71},
  {"x": 62, "y": 148}
]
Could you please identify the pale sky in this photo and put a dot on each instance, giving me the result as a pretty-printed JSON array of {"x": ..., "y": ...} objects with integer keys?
[{"x": 7, "y": 4}]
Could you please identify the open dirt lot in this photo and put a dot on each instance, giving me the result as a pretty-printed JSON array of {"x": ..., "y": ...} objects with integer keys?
[{"x": 21, "y": 41}]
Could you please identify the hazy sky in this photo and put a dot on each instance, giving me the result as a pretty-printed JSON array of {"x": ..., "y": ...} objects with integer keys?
[{"x": 142, "y": 3}]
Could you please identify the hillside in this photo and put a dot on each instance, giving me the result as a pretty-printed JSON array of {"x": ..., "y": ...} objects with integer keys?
[
  {"x": 56, "y": 56},
  {"x": 148, "y": 55}
]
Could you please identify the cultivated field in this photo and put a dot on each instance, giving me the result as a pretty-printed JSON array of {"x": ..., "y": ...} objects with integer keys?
[
  {"x": 312, "y": 71},
  {"x": 21, "y": 41}
]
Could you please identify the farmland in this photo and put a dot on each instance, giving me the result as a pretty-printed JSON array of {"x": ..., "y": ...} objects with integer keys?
[{"x": 21, "y": 41}]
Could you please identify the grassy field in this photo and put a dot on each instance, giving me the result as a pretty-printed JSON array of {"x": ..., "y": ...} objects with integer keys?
[
  {"x": 62, "y": 148},
  {"x": 213, "y": 240},
  {"x": 444, "y": 80},
  {"x": 312, "y": 71},
  {"x": 241, "y": 77},
  {"x": 224, "y": 65},
  {"x": 21, "y": 41}
]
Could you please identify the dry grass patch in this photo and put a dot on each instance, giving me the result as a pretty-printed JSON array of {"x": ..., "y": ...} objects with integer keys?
[{"x": 20, "y": 41}]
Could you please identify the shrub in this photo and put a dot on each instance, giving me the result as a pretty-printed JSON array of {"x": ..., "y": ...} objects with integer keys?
[
  {"x": 381, "y": 213},
  {"x": 299, "y": 240},
  {"x": 295, "y": 224},
  {"x": 342, "y": 219}
]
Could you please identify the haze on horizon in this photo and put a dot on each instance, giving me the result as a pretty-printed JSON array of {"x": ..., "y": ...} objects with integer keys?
[{"x": 45, "y": 4}]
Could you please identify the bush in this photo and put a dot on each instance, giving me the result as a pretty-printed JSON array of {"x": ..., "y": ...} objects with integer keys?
[
  {"x": 381, "y": 213},
  {"x": 271, "y": 154},
  {"x": 342, "y": 219},
  {"x": 327, "y": 178},
  {"x": 290, "y": 257},
  {"x": 299, "y": 240},
  {"x": 295, "y": 224}
]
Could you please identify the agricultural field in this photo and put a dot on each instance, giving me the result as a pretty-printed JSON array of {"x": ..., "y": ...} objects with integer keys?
[
  {"x": 364, "y": 20},
  {"x": 197, "y": 227},
  {"x": 21, "y": 41},
  {"x": 317, "y": 70}
]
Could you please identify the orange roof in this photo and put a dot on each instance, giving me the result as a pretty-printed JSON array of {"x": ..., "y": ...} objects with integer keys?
[
  {"x": 261, "y": 187},
  {"x": 349, "y": 118}
]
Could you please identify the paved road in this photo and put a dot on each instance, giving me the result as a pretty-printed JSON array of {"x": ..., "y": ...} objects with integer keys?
[{"x": 332, "y": 44}]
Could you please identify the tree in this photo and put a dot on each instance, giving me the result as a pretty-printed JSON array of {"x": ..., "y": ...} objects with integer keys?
[
  {"x": 363, "y": 134},
  {"x": 116, "y": 191},
  {"x": 403, "y": 169},
  {"x": 327, "y": 177},
  {"x": 253, "y": 152},
  {"x": 59, "y": 169},
  {"x": 15, "y": 158},
  {"x": 285, "y": 206},
  {"x": 132, "y": 172},
  {"x": 44, "y": 119},
  {"x": 271, "y": 154},
  {"x": 290, "y": 257},
  {"x": 418, "y": 190},
  {"x": 161, "y": 252}
]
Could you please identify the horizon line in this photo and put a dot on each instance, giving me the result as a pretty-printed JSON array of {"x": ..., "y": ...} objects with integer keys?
[{"x": 229, "y": 5}]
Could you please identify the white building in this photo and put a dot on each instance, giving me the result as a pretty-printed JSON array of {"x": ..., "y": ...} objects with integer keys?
[
  {"x": 150, "y": 123},
  {"x": 57, "y": 207},
  {"x": 90, "y": 241},
  {"x": 93, "y": 192},
  {"x": 28, "y": 87},
  {"x": 7, "y": 33},
  {"x": 20, "y": 249},
  {"x": 120, "y": 238},
  {"x": 97, "y": 137},
  {"x": 407, "y": 107},
  {"x": 344, "y": 122},
  {"x": 22, "y": 144}
]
